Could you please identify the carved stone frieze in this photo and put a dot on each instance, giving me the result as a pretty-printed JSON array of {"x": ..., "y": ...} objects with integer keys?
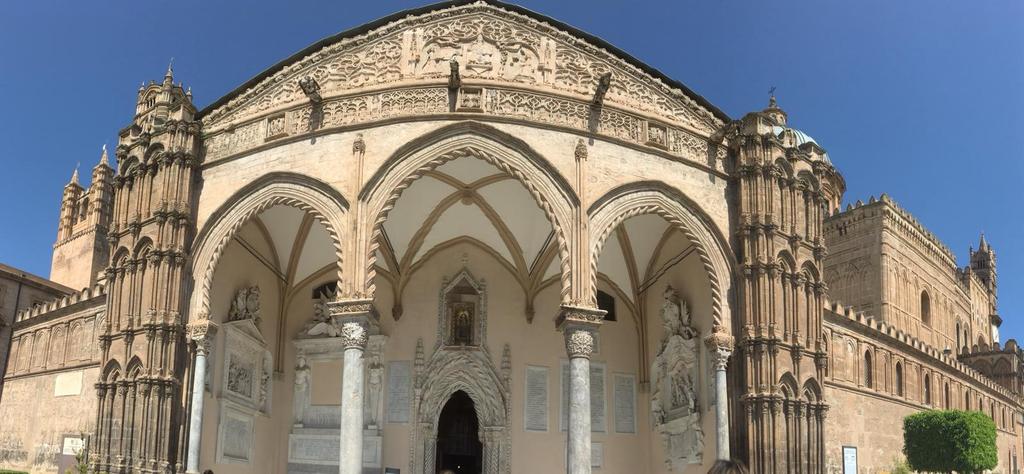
[{"x": 488, "y": 43}]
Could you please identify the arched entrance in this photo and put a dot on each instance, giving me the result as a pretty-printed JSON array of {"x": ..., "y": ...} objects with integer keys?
[{"x": 459, "y": 449}]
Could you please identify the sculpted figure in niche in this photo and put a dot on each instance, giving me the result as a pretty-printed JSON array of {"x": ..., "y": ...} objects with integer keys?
[
  {"x": 675, "y": 366},
  {"x": 462, "y": 325},
  {"x": 301, "y": 399},
  {"x": 674, "y": 406},
  {"x": 374, "y": 386}
]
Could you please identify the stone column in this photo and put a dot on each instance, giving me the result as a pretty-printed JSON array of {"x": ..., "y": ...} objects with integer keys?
[
  {"x": 354, "y": 319},
  {"x": 579, "y": 326},
  {"x": 202, "y": 333},
  {"x": 720, "y": 346}
]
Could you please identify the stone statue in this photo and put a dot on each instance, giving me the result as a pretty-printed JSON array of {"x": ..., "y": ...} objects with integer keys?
[
  {"x": 454, "y": 79},
  {"x": 322, "y": 323},
  {"x": 675, "y": 411},
  {"x": 603, "y": 84},
  {"x": 301, "y": 400},
  {"x": 246, "y": 305},
  {"x": 374, "y": 387},
  {"x": 462, "y": 327}
]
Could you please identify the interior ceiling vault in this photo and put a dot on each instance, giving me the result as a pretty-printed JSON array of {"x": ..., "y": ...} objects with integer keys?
[{"x": 463, "y": 201}]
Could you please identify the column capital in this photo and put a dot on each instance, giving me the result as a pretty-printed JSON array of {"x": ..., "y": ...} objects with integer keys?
[
  {"x": 202, "y": 332},
  {"x": 579, "y": 342},
  {"x": 354, "y": 334},
  {"x": 354, "y": 319},
  {"x": 719, "y": 339}
]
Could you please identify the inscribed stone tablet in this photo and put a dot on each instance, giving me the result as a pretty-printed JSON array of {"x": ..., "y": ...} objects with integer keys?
[
  {"x": 536, "y": 415},
  {"x": 399, "y": 395},
  {"x": 624, "y": 388}
]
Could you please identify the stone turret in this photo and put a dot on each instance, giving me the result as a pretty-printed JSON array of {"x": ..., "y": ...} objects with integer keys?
[
  {"x": 81, "y": 252},
  {"x": 786, "y": 187},
  {"x": 983, "y": 264},
  {"x": 152, "y": 220}
]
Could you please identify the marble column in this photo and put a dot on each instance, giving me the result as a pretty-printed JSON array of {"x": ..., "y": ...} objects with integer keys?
[
  {"x": 353, "y": 337},
  {"x": 202, "y": 333},
  {"x": 579, "y": 327},
  {"x": 354, "y": 318},
  {"x": 720, "y": 346}
]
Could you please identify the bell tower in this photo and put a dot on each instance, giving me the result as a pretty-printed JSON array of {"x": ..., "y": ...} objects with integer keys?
[
  {"x": 785, "y": 187},
  {"x": 142, "y": 339},
  {"x": 80, "y": 252}
]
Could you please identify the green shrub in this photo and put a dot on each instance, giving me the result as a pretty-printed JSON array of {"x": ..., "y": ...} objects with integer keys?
[
  {"x": 900, "y": 466},
  {"x": 950, "y": 440}
]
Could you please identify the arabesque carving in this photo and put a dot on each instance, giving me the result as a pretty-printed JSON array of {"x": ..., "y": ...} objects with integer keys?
[{"x": 487, "y": 44}]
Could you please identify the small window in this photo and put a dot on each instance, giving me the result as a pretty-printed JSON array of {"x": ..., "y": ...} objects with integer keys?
[
  {"x": 606, "y": 302},
  {"x": 926, "y": 309},
  {"x": 899, "y": 379},
  {"x": 868, "y": 381},
  {"x": 927, "y": 390}
]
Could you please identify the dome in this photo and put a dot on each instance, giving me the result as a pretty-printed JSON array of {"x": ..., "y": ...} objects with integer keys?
[{"x": 801, "y": 138}]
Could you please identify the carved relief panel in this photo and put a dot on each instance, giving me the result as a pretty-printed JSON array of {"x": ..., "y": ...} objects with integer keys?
[{"x": 247, "y": 367}]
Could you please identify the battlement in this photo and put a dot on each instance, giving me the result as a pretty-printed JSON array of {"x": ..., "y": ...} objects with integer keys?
[
  {"x": 901, "y": 220},
  {"x": 949, "y": 360},
  {"x": 60, "y": 303}
]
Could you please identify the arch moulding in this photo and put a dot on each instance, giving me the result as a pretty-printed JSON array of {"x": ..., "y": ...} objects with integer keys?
[
  {"x": 307, "y": 194},
  {"x": 682, "y": 213},
  {"x": 549, "y": 189}
]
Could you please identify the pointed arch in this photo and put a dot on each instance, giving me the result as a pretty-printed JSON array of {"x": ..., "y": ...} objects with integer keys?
[
  {"x": 511, "y": 155},
  {"x": 302, "y": 192},
  {"x": 655, "y": 197}
]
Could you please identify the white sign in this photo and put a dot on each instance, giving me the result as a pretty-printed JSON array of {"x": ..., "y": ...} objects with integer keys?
[
  {"x": 624, "y": 390},
  {"x": 72, "y": 446},
  {"x": 399, "y": 391},
  {"x": 849, "y": 460}
]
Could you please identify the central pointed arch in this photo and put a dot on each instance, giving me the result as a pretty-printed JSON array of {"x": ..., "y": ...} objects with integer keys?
[{"x": 550, "y": 190}]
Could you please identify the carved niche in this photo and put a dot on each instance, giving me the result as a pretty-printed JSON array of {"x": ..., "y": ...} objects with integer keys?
[
  {"x": 248, "y": 366},
  {"x": 245, "y": 389},
  {"x": 313, "y": 438},
  {"x": 462, "y": 316},
  {"x": 675, "y": 407}
]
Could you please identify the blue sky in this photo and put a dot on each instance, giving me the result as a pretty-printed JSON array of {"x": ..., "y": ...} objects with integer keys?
[{"x": 919, "y": 99}]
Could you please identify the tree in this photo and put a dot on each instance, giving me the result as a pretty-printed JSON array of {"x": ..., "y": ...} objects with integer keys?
[{"x": 950, "y": 440}]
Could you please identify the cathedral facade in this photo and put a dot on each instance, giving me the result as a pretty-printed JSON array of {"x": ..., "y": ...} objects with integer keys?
[{"x": 471, "y": 238}]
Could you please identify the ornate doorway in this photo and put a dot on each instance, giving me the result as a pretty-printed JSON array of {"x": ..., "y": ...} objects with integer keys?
[{"x": 458, "y": 441}]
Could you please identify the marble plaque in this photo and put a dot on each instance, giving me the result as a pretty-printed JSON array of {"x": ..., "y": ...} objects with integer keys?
[
  {"x": 624, "y": 390},
  {"x": 535, "y": 413},
  {"x": 371, "y": 450},
  {"x": 234, "y": 440},
  {"x": 597, "y": 418},
  {"x": 321, "y": 449},
  {"x": 596, "y": 455},
  {"x": 399, "y": 391},
  {"x": 67, "y": 384}
]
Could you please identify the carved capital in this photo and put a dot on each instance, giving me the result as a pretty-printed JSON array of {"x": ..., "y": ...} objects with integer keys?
[
  {"x": 719, "y": 340},
  {"x": 202, "y": 332},
  {"x": 354, "y": 334},
  {"x": 579, "y": 342}
]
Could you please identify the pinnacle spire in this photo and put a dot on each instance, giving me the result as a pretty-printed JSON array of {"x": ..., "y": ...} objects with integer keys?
[
  {"x": 103, "y": 158},
  {"x": 772, "y": 104},
  {"x": 74, "y": 176},
  {"x": 170, "y": 68},
  {"x": 983, "y": 246}
]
